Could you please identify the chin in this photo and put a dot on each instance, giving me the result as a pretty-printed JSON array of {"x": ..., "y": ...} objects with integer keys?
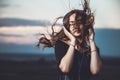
[{"x": 77, "y": 34}]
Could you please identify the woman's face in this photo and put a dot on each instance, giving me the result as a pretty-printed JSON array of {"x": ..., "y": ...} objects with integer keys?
[{"x": 74, "y": 29}]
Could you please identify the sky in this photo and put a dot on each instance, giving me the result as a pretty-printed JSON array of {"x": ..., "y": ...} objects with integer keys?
[
  {"x": 106, "y": 11},
  {"x": 22, "y": 20}
]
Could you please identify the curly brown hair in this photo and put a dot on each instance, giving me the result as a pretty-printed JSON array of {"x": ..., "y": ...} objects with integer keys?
[{"x": 85, "y": 16}]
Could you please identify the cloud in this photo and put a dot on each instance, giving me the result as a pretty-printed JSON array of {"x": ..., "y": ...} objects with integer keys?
[
  {"x": 11, "y": 35},
  {"x": 22, "y": 22},
  {"x": 4, "y": 5},
  {"x": 20, "y": 35}
]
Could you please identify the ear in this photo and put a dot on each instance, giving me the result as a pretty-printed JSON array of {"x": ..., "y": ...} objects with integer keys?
[{"x": 90, "y": 20}]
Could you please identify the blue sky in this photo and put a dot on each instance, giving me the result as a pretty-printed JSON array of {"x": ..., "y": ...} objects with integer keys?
[{"x": 28, "y": 13}]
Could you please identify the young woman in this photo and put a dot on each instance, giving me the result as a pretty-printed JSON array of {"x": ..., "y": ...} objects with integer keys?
[{"x": 75, "y": 49}]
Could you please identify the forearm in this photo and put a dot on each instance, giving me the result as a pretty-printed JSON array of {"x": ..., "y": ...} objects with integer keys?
[
  {"x": 67, "y": 60},
  {"x": 95, "y": 63}
]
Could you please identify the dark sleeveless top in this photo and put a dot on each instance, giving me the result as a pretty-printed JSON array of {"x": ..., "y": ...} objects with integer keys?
[{"x": 81, "y": 63}]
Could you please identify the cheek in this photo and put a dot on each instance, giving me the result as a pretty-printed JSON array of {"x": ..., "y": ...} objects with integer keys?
[
  {"x": 71, "y": 28},
  {"x": 81, "y": 27}
]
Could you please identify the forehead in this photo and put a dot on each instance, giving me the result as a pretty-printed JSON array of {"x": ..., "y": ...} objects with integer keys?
[{"x": 72, "y": 17}]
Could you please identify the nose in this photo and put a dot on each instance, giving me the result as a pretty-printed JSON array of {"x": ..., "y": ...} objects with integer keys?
[{"x": 75, "y": 27}]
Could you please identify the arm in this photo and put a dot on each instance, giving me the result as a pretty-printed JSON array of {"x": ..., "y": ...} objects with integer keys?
[
  {"x": 95, "y": 63},
  {"x": 67, "y": 60}
]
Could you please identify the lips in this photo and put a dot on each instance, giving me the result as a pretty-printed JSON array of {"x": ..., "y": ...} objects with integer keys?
[{"x": 75, "y": 30}]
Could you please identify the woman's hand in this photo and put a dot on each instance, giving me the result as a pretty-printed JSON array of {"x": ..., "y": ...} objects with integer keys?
[
  {"x": 91, "y": 34},
  {"x": 69, "y": 35}
]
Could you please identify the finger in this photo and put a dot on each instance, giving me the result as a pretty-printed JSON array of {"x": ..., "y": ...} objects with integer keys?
[
  {"x": 64, "y": 28},
  {"x": 66, "y": 31},
  {"x": 91, "y": 30}
]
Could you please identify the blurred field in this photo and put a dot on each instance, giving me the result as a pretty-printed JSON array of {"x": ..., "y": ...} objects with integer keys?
[{"x": 44, "y": 69}]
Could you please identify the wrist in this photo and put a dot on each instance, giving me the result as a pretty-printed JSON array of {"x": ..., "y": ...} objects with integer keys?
[
  {"x": 92, "y": 44},
  {"x": 72, "y": 44},
  {"x": 93, "y": 50},
  {"x": 73, "y": 41},
  {"x": 91, "y": 39}
]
